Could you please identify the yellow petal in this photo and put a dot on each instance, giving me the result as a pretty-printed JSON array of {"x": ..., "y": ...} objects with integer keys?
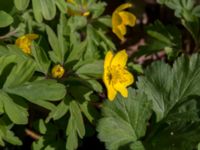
[
  {"x": 124, "y": 80},
  {"x": 111, "y": 92},
  {"x": 121, "y": 89},
  {"x": 127, "y": 18},
  {"x": 118, "y": 34},
  {"x": 108, "y": 59},
  {"x": 116, "y": 20},
  {"x": 120, "y": 59},
  {"x": 122, "y": 29},
  {"x": 123, "y": 6},
  {"x": 106, "y": 76},
  {"x": 128, "y": 78},
  {"x": 32, "y": 36},
  {"x": 18, "y": 40}
]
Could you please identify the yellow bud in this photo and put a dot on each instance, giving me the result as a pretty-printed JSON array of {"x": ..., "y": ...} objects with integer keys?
[
  {"x": 57, "y": 71},
  {"x": 87, "y": 13}
]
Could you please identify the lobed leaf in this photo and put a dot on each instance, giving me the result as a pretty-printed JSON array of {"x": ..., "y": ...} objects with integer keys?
[{"x": 124, "y": 120}]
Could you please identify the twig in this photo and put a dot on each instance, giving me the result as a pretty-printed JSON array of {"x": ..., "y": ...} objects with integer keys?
[
  {"x": 32, "y": 134},
  {"x": 11, "y": 33}
]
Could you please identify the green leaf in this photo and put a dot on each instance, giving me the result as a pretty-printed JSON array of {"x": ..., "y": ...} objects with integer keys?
[
  {"x": 48, "y": 9},
  {"x": 14, "y": 50},
  {"x": 20, "y": 73},
  {"x": 93, "y": 41},
  {"x": 77, "y": 118},
  {"x": 193, "y": 28},
  {"x": 5, "y": 61},
  {"x": 136, "y": 67},
  {"x": 17, "y": 113},
  {"x": 198, "y": 146},
  {"x": 53, "y": 40},
  {"x": 137, "y": 146},
  {"x": 96, "y": 86},
  {"x": 72, "y": 139},
  {"x": 41, "y": 126},
  {"x": 76, "y": 53},
  {"x": 61, "y": 109},
  {"x": 124, "y": 120},
  {"x": 92, "y": 69},
  {"x": 177, "y": 136},
  {"x": 89, "y": 111},
  {"x": 105, "y": 20},
  {"x": 80, "y": 93},
  {"x": 182, "y": 8},
  {"x": 11, "y": 138},
  {"x": 61, "y": 31},
  {"x": 179, "y": 82},
  {"x": 5, "y": 19},
  {"x": 159, "y": 36},
  {"x": 39, "y": 144},
  {"x": 8, "y": 63},
  {"x": 162, "y": 37},
  {"x": 196, "y": 11},
  {"x": 77, "y": 22},
  {"x": 97, "y": 9},
  {"x": 62, "y": 5},
  {"x": 6, "y": 134},
  {"x": 102, "y": 35},
  {"x": 37, "y": 10},
  {"x": 155, "y": 89},
  {"x": 45, "y": 104},
  {"x": 41, "y": 59},
  {"x": 3, "y": 50},
  {"x": 40, "y": 90},
  {"x": 21, "y": 4}
]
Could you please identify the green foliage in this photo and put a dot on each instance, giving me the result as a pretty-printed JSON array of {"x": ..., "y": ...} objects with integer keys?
[
  {"x": 125, "y": 121},
  {"x": 6, "y": 134},
  {"x": 183, "y": 78},
  {"x": 5, "y": 18},
  {"x": 188, "y": 12},
  {"x": 162, "y": 38},
  {"x": 21, "y": 4},
  {"x": 183, "y": 8},
  {"x": 176, "y": 110},
  {"x": 161, "y": 111},
  {"x": 174, "y": 94}
]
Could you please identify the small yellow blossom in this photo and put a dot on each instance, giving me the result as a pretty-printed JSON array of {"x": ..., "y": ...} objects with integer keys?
[
  {"x": 58, "y": 71},
  {"x": 80, "y": 11},
  {"x": 24, "y": 42},
  {"x": 120, "y": 19},
  {"x": 116, "y": 77},
  {"x": 87, "y": 13},
  {"x": 70, "y": 1}
]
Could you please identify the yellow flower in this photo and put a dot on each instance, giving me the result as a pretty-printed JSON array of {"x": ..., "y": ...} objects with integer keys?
[
  {"x": 58, "y": 71},
  {"x": 81, "y": 9},
  {"x": 116, "y": 77},
  {"x": 87, "y": 13},
  {"x": 24, "y": 42},
  {"x": 120, "y": 19},
  {"x": 70, "y": 1}
]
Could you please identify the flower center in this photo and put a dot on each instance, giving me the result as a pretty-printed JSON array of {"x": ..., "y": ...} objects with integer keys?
[{"x": 117, "y": 74}]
